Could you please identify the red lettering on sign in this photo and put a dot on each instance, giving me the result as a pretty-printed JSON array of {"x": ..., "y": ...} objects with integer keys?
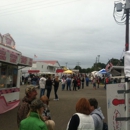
[
  {"x": 13, "y": 60},
  {"x": 2, "y": 52},
  {"x": 3, "y": 57},
  {"x": 30, "y": 62},
  {"x": 23, "y": 60},
  {"x": 13, "y": 56}
]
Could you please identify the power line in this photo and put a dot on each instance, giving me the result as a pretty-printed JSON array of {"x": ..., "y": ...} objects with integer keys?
[
  {"x": 35, "y": 7},
  {"x": 30, "y": 4},
  {"x": 56, "y": 50},
  {"x": 14, "y": 3}
]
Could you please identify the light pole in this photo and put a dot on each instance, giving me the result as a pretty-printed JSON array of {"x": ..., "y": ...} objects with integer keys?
[
  {"x": 127, "y": 31},
  {"x": 98, "y": 58}
]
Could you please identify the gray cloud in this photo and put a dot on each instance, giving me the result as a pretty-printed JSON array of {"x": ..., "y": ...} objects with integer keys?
[{"x": 72, "y": 32}]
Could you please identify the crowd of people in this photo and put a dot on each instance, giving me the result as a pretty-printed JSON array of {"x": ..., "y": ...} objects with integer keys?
[
  {"x": 34, "y": 113},
  {"x": 68, "y": 83}
]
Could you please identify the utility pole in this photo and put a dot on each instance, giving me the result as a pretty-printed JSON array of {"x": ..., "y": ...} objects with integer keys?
[
  {"x": 78, "y": 63},
  {"x": 127, "y": 31},
  {"x": 122, "y": 9},
  {"x": 96, "y": 60},
  {"x": 66, "y": 64}
]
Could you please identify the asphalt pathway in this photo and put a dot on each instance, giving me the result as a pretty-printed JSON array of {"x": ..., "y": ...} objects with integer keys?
[{"x": 61, "y": 110}]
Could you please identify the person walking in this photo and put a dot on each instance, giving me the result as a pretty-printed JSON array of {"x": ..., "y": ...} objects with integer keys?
[
  {"x": 81, "y": 120},
  {"x": 98, "y": 81},
  {"x": 24, "y": 107},
  {"x": 68, "y": 81},
  {"x": 56, "y": 86},
  {"x": 42, "y": 83},
  {"x": 94, "y": 83},
  {"x": 82, "y": 80},
  {"x": 96, "y": 113},
  {"x": 78, "y": 82},
  {"x": 74, "y": 84},
  {"x": 87, "y": 81},
  {"x": 29, "y": 80},
  {"x": 48, "y": 86},
  {"x": 63, "y": 81},
  {"x": 34, "y": 120},
  {"x": 106, "y": 82}
]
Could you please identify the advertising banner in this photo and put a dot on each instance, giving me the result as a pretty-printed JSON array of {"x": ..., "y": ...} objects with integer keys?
[
  {"x": 9, "y": 56},
  {"x": 3, "y": 54},
  {"x": 25, "y": 61}
]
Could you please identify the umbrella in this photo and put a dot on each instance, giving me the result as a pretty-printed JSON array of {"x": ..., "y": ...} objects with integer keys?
[{"x": 68, "y": 72}]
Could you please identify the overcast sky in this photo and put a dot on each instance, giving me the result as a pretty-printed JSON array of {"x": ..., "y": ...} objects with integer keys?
[{"x": 69, "y": 31}]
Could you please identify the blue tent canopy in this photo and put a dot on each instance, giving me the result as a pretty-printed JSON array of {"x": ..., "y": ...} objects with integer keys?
[{"x": 102, "y": 71}]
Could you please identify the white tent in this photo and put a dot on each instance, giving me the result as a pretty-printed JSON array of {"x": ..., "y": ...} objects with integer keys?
[{"x": 94, "y": 73}]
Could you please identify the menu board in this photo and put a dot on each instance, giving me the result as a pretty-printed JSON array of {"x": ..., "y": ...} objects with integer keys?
[
  {"x": 9, "y": 56},
  {"x": 14, "y": 57},
  {"x": 25, "y": 61}
]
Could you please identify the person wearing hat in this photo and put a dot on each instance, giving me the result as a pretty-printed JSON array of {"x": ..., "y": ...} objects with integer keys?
[
  {"x": 24, "y": 107},
  {"x": 34, "y": 120}
]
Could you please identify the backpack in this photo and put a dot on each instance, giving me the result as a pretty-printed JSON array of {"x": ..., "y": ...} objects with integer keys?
[{"x": 105, "y": 126}]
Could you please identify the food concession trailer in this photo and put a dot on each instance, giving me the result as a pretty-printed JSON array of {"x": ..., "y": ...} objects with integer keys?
[{"x": 11, "y": 63}]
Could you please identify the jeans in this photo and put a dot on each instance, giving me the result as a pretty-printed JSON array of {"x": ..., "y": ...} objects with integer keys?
[
  {"x": 87, "y": 83},
  {"x": 33, "y": 82},
  {"x": 42, "y": 91},
  {"x": 55, "y": 91},
  {"x": 105, "y": 86},
  {"x": 82, "y": 84},
  {"x": 69, "y": 86},
  {"x": 63, "y": 86},
  {"x": 74, "y": 87},
  {"x": 48, "y": 91}
]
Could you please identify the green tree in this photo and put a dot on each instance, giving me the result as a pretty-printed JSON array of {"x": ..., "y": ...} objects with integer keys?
[
  {"x": 78, "y": 68},
  {"x": 117, "y": 62},
  {"x": 99, "y": 66}
]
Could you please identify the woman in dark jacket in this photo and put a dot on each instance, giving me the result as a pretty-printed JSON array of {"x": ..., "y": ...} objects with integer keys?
[
  {"x": 56, "y": 85},
  {"x": 48, "y": 86}
]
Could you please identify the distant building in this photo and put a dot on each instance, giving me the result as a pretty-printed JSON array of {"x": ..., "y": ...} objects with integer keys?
[
  {"x": 42, "y": 67},
  {"x": 75, "y": 71}
]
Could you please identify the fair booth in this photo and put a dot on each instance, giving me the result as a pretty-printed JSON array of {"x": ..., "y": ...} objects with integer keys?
[{"x": 11, "y": 62}]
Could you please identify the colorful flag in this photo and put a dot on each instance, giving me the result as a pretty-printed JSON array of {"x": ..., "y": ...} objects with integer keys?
[{"x": 108, "y": 66}]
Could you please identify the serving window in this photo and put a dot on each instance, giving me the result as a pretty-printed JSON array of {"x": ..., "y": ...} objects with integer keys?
[{"x": 8, "y": 75}]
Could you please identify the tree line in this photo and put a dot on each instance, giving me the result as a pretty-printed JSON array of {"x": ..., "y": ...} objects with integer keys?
[{"x": 99, "y": 66}]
